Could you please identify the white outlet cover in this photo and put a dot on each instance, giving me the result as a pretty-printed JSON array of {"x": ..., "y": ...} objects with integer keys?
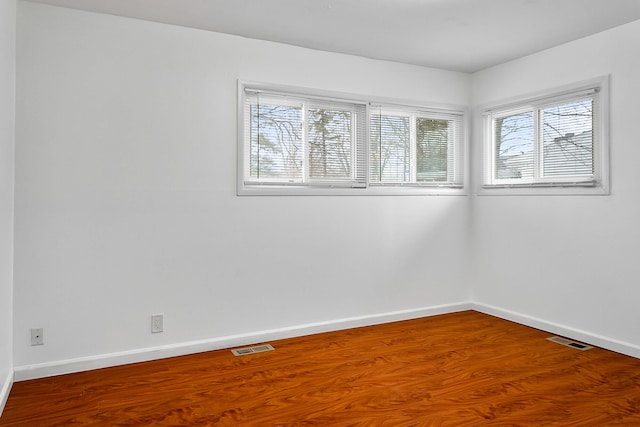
[
  {"x": 37, "y": 336},
  {"x": 157, "y": 323}
]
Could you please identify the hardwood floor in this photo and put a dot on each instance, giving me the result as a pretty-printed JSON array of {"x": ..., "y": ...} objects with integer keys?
[{"x": 460, "y": 369}]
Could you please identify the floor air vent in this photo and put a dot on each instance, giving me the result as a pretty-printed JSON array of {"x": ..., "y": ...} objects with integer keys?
[
  {"x": 252, "y": 350},
  {"x": 570, "y": 343}
]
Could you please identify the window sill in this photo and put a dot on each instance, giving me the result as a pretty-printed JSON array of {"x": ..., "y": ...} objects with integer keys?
[
  {"x": 542, "y": 191},
  {"x": 370, "y": 191}
]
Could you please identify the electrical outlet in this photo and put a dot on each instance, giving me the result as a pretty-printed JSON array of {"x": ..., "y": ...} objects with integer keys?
[
  {"x": 37, "y": 336},
  {"x": 157, "y": 323}
]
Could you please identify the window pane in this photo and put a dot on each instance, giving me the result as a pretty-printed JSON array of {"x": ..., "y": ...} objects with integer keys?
[
  {"x": 432, "y": 149},
  {"x": 276, "y": 142},
  {"x": 568, "y": 139},
  {"x": 305, "y": 144},
  {"x": 330, "y": 143},
  {"x": 514, "y": 146},
  {"x": 390, "y": 155}
]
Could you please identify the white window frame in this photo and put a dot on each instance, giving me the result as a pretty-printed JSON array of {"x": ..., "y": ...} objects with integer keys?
[
  {"x": 597, "y": 184},
  {"x": 305, "y": 104},
  {"x": 247, "y": 187},
  {"x": 455, "y": 146}
]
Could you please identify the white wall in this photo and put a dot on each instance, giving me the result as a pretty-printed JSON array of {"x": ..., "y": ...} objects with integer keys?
[
  {"x": 125, "y": 200},
  {"x": 7, "y": 114},
  {"x": 126, "y": 205},
  {"x": 571, "y": 262}
]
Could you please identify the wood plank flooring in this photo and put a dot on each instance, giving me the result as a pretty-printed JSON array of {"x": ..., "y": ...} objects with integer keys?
[{"x": 459, "y": 369}]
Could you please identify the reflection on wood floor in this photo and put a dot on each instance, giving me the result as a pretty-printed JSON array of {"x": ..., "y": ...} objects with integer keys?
[{"x": 460, "y": 369}]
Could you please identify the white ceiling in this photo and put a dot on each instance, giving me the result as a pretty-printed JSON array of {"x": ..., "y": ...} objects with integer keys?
[{"x": 461, "y": 35}]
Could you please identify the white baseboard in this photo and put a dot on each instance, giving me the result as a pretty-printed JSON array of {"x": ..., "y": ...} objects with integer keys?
[
  {"x": 142, "y": 355},
  {"x": 5, "y": 390},
  {"x": 21, "y": 373},
  {"x": 562, "y": 330}
]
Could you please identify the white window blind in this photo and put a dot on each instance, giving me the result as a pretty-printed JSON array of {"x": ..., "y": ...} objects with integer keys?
[
  {"x": 300, "y": 141},
  {"x": 417, "y": 148},
  {"x": 557, "y": 140},
  {"x": 297, "y": 142}
]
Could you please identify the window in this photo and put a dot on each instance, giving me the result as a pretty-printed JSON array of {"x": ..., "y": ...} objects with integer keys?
[
  {"x": 415, "y": 148},
  {"x": 554, "y": 141},
  {"x": 293, "y": 142}
]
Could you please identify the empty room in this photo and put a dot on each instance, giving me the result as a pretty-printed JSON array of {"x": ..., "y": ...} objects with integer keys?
[{"x": 395, "y": 212}]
